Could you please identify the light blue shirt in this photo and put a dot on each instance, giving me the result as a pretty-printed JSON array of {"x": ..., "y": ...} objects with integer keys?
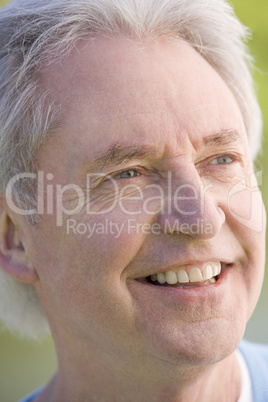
[
  {"x": 256, "y": 357},
  {"x": 29, "y": 398}
]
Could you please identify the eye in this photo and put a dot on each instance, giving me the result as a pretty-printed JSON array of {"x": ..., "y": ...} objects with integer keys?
[
  {"x": 127, "y": 174},
  {"x": 222, "y": 160}
]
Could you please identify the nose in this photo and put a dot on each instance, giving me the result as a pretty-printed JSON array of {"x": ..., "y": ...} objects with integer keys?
[{"x": 190, "y": 206}]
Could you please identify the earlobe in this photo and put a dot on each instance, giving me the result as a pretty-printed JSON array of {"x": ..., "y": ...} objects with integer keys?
[{"x": 13, "y": 257}]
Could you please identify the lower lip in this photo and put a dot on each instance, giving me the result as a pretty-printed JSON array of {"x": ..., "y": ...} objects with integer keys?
[{"x": 183, "y": 295}]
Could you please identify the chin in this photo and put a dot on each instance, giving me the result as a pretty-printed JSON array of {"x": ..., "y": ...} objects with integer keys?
[{"x": 196, "y": 344}]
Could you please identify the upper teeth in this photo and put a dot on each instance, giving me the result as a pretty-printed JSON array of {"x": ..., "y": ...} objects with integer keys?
[{"x": 210, "y": 269}]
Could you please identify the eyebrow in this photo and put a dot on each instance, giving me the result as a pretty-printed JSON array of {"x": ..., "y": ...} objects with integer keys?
[
  {"x": 119, "y": 154},
  {"x": 224, "y": 137}
]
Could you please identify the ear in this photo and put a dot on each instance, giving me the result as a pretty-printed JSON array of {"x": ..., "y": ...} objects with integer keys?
[{"x": 13, "y": 258}]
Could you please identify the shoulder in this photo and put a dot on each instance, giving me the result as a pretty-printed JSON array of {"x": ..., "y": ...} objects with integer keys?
[
  {"x": 31, "y": 397},
  {"x": 256, "y": 358}
]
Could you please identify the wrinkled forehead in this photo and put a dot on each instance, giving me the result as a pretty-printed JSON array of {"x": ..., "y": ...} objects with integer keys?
[{"x": 119, "y": 81}]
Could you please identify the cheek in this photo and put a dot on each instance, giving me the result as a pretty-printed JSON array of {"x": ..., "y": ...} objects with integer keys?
[
  {"x": 82, "y": 290},
  {"x": 246, "y": 219},
  {"x": 248, "y": 225},
  {"x": 113, "y": 233},
  {"x": 102, "y": 245},
  {"x": 246, "y": 207}
]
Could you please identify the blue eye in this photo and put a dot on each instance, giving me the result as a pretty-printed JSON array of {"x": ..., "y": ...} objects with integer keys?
[
  {"x": 127, "y": 174},
  {"x": 221, "y": 160}
]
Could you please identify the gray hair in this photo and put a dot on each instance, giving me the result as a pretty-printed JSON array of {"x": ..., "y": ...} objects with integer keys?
[{"x": 32, "y": 32}]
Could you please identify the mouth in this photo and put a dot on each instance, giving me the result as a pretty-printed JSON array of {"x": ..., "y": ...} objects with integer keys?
[{"x": 189, "y": 276}]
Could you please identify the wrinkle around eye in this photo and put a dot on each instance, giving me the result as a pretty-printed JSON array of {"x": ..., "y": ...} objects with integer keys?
[
  {"x": 106, "y": 197},
  {"x": 230, "y": 178},
  {"x": 223, "y": 172}
]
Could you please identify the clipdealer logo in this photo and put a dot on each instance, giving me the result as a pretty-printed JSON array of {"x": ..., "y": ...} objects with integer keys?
[{"x": 54, "y": 199}]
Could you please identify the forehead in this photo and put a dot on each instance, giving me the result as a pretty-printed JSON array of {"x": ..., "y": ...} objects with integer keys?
[{"x": 109, "y": 87}]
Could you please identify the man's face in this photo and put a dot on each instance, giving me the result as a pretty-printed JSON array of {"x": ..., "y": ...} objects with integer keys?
[{"x": 158, "y": 137}]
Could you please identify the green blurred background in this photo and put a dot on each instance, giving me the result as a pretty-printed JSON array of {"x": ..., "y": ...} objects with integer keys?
[{"x": 25, "y": 365}]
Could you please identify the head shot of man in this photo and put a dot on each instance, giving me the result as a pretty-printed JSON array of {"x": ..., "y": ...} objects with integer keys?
[{"x": 131, "y": 226}]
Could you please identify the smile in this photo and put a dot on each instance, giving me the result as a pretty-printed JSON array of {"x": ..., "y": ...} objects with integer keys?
[{"x": 188, "y": 277}]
